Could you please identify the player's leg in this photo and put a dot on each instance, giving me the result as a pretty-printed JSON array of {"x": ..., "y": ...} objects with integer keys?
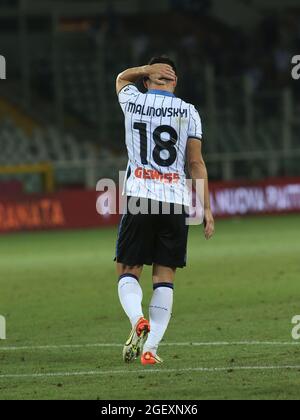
[
  {"x": 171, "y": 245},
  {"x": 130, "y": 291},
  {"x": 134, "y": 249},
  {"x": 160, "y": 311},
  {"x": 131, "y": 296},
  {"x": 130, "y": 261}
]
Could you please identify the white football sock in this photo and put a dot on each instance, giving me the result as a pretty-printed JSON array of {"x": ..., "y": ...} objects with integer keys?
[
  {"x": 131, "y": 296},
  {"x": 160, "y": 314}
]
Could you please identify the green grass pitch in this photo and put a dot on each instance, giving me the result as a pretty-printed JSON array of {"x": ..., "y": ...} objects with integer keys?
[{"x": 238, "y": 294}]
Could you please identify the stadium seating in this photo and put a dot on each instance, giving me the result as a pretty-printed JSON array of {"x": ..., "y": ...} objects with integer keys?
[
  {"x": 17, "y": 148},
  {"x": 71, "y": 158},
  {"x": 78, "y": 86}
]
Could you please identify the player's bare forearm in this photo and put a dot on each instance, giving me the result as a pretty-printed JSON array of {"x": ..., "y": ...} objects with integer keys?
[
  {"x": 157, "y": 73},
  {"x": 198, "y": 171},
  {"x": 130, "y": 76}
]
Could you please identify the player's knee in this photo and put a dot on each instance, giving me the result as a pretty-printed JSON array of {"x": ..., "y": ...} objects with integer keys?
[
  {"x": 163, "y": 274},
  {"x": 162, "y": 279},
  {"x": 127, "y": 269}
]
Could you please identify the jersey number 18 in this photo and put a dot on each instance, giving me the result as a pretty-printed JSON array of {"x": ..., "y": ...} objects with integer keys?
[{"x": 160, "y": 144}]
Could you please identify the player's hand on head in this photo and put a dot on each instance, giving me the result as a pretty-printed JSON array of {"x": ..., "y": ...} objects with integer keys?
[
  {"x": 209, "y": 224},
  {"x": 158, "y": 72},
  {"x": 155, "y": 79}
]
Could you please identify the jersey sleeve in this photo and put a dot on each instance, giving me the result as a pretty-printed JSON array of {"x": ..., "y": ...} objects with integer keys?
[
  {"x": 195, "y": 125},
  {"x": 127, "y": 93}
]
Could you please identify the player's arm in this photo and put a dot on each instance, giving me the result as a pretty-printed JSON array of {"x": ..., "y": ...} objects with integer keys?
[
  {"x": 197, "y": 169},
  {"x": 158, "y": 73}
]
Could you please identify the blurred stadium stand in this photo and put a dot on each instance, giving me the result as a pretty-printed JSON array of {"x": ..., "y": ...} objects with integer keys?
[{"x": 63, "y": 58}]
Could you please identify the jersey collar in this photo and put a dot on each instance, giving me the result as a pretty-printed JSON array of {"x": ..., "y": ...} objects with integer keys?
[{"x": 161, "y": 92}]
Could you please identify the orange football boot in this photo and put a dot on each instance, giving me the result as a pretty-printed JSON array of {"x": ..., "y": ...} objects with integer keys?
[
  {"x": 149, "y": 358},
  {"x": 134, "y": 345}
]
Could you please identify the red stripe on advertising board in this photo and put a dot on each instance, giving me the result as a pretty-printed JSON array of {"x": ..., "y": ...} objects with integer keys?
[
  {"x": 76, "y": 209},
  {"x": 63, "y": 210}
]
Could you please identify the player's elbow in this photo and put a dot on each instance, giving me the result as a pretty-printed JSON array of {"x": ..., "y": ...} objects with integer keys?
[
  {"x": 119, "y": 83},
  {"x": 120, "y": 78}
]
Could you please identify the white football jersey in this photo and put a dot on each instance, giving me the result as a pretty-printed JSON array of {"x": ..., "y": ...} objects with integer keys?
[{"x": 158, "y": 126}]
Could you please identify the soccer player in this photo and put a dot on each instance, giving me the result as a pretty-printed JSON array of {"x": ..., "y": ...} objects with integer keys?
[{"x": 163, "y": 135}]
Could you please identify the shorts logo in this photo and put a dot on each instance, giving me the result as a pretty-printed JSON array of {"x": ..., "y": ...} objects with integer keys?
[
  {"x": 2, "y": 68},
  {"x": 170, "y": 178},
  {"x": 2, "y": 328}
]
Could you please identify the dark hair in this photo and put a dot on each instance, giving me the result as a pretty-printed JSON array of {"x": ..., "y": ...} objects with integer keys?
[{"x": 163, "y": 59}]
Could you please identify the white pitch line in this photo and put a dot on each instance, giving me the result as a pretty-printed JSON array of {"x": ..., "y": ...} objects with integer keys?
[
  {"x": 235, "y": 343},
  {"x": 144, "y": 371},
  {"x": 183, "y": 344}
]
